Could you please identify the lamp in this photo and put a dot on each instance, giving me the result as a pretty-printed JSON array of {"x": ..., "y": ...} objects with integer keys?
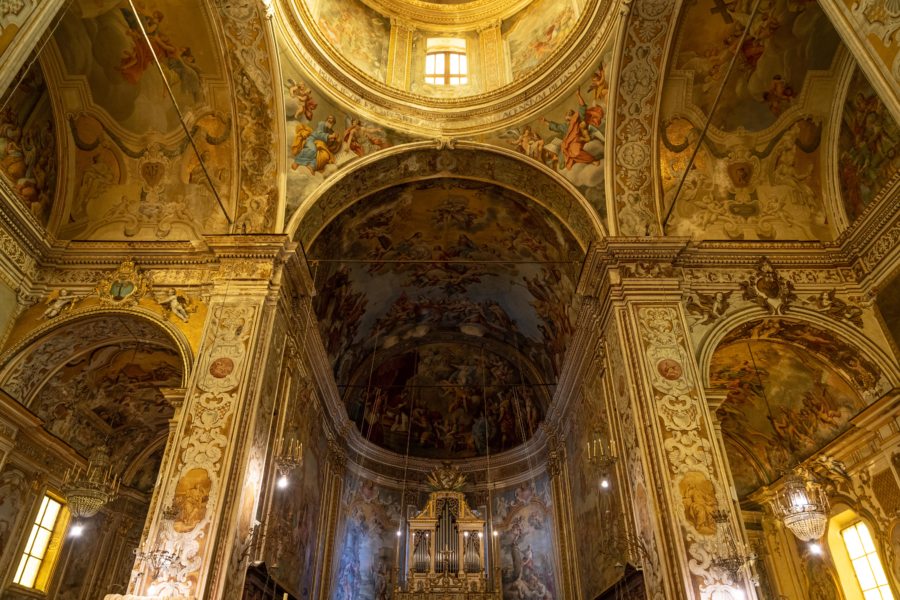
[
  {"x": 288, "y": 455},
  {"x": 87, "y": 490},
  {"x": 602, "y": 454},
  {"x": 727, "y": 556},
  {"x": 802, "y": 505},
  {"x": 158, "y": 558}
]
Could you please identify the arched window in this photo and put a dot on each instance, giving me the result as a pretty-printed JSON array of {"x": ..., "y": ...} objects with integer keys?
[
  {"x": 446, "y": 63},
  {"x": 855, "y": 555},
  {"x": 42, "y": 548}
]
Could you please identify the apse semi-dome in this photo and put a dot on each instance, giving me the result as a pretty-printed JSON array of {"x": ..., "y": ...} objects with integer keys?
[
  {"x": 445, "y": 307},
  {"x": 446, "y": 67}
]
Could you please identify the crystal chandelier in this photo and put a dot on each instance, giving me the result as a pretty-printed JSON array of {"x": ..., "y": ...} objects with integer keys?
[
  {"x": 802, "y": 505},
  {"x": 727, "y": 556},
  {"x": 87, "y": 490}
]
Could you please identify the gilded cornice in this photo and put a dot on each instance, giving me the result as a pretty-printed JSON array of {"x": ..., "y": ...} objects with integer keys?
[
  {"x": 525, "y": 98},
  {"x": 435, "y": 16}
]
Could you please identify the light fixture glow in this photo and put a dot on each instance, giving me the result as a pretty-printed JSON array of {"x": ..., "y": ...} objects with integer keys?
[
  {"x": 496, "y": 534},
  {"x": 815, "y": 548},
  {"x": 283, "y": 482},
  {"x": 399, "y": 533},
  {"x": 77, "y": 530},
  {"x": 604, "y": 483}
]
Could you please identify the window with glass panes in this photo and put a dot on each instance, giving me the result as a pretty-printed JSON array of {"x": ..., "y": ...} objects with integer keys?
[
  {"x": 446, "y": 62},
  {"x": 42, "y": 545},
  {"x": 866, "y": 564}
]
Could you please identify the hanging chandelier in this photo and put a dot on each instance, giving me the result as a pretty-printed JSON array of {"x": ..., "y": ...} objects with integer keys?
[
  {"x": 87, "y": 490},
  {"x": 288, "y": 454},
  {"x": 727, "y": 555},
  {"x": 802, "y": 505}
]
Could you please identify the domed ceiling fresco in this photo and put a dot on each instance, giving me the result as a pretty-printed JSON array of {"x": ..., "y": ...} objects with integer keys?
[
  {"x": 111, "y": 395},
  {"x": 759, "y": 171},
  {"x": 445, "y": 306}
]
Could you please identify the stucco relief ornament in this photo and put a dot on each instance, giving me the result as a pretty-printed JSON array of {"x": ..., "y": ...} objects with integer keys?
[
  {"x": 834, "y": 307},
  {"x": 125, "y": 286},
  {"x": 446, "y": 478},
  {"x": 769, "y": 289},
  {"x": 706, "y": 309},
  {"x": 58, "y": 301},
  {"x": 177, "y": 304}
]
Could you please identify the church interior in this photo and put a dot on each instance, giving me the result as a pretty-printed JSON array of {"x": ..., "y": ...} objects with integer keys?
[{"x": 449, "y": 299}]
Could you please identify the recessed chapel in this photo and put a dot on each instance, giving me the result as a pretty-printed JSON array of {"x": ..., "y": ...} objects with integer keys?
[{"x": 449, "y": 299}]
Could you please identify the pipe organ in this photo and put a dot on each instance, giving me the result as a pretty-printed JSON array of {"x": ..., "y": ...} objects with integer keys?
[{"x": 447, "y": 547}]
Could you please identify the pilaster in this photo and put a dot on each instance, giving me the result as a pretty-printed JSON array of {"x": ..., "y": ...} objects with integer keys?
[
  {"x": 209, "y": 487},
  {"x": 331, "y": 506},
  {"x": 560, "y": 487},
  {"x": 673, "y": 464}
]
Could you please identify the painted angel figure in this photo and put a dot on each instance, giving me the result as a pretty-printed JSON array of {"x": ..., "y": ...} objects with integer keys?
[
  {"x": 176, "y": 304},
  {"x": 301, "y": 93},
  {"x": 57, "y": 302}
]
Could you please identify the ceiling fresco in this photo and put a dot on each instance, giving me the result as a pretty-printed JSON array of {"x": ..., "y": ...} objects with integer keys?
[
  {"x": 359, "y": 34},
  {"x": 783, "y": 404},
  {"x": 446, "y": 400},
  {"x": 570, "y": 137},
  {"x": 134, "y": 167},
  {"x": 101, "y": 41},
  {"x": 111, "y": 396},
  {"x": 28, "y": 144},
  {"x": 538, "y": 31},
  {"x": 760, "y": 167},
  {"x": 868, "y": 146},
  {"x": 450, "y": 261},
  {"x": 745, "y": 187},
  {"x": 322, "y": 138},
  {"x": 787, "y": 39}
]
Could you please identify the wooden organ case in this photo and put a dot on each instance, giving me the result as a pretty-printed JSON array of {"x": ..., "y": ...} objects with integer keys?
[{"x": 446, "y": 546}]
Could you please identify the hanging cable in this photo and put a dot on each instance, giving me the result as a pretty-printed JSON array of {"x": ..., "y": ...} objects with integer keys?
[{"x": 712, "y": 111}]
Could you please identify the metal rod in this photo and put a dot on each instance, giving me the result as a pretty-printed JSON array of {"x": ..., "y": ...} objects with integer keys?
[
  {"x": 428, "y": 261},
  {"x": 712, "y": 111},
  {"x": 448, "y": 385},
  {"x": 212, "y": 185}
]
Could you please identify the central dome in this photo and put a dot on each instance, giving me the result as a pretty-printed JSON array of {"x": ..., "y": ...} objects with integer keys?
[{"x": 445, "y": 67}]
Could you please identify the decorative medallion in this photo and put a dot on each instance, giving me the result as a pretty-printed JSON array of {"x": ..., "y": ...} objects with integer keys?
[
  {"x": 446, "y": 478},
  {"x": 124, "y": 287},
  {"x": 769, "y": 289}
]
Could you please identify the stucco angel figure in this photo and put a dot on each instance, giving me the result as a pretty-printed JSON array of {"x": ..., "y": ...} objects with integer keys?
[
  {"x": 176, "y": 304},
  {"x": 58, "y": 301}
]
